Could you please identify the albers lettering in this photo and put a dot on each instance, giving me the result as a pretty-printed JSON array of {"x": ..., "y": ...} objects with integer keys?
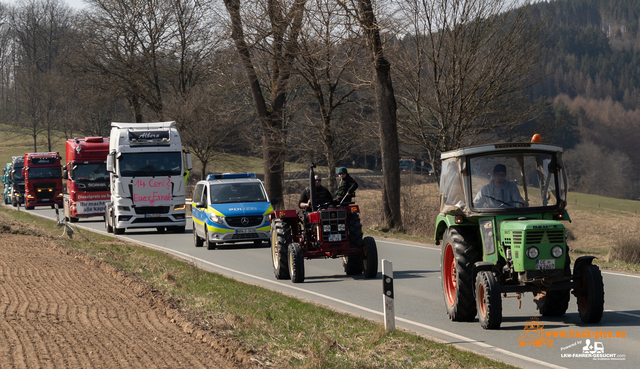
[{"x": 149, "y": 135}]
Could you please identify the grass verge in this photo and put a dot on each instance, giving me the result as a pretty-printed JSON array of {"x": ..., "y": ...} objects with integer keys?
[{"x": 276, "y": 330}]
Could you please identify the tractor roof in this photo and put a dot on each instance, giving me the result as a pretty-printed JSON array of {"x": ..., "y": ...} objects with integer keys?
[{"x": 508, "y": 146}]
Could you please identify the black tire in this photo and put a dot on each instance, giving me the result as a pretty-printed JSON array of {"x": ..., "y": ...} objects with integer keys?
[
  {"x": 177, "y": 229},
  {"x": 355, "y": 231},
  {"x": 555, "y": 303},
  {"x": 257, "y": 243},
  {"x": 116, "y": 230},
  {"x": 73, "y": 220},
  {"x": 370, "y": 259},
  {"x": 352, "y": 264},
  {"x": 160, "y": 229},
  {"x": 53, "y": 206},
  {"x": 488, "y": 300},
  {"x": 296, "y": 263},
  {"x": 280, "y": 240},
  {"x": 459, "y": 254},
  {"x": 107, "y": 225},
  {"x": 210, "y": 245},
  {"x": 591, "y": 297},
  {"x": 197, "y": 241},
  {"x": 29, "y": 207}
]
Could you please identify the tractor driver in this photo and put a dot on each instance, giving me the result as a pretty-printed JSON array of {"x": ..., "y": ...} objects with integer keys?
[
  {"x": 346, "y": 187},
  {"x": 499, "y": 193},
  {"x": 323, "y": 195}
]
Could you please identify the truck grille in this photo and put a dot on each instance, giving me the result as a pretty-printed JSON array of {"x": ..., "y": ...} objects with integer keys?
[
  {"x": 245, "y": 221},
  {"x": 45, "y": 190},
  {"x": 151, "y": 209},
  {"x": 554, "y": 236},
  {"x": 333, "y": 218}
]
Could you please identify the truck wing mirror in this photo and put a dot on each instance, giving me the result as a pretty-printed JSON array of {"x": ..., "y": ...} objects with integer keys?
[
  {"x": 189, "y": 162},
  {"x": 110, "y": 163}
]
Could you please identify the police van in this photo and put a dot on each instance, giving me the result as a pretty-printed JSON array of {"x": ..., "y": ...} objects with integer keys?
[{"x": 228, "y": 208}]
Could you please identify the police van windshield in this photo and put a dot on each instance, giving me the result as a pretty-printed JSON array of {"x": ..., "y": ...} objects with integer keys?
[
  {"x": 146, "y": 164},
  {"x": 237, "y": 192},
  {"x": 90, "y": 172},
  {"x": 44, "y": 173}
]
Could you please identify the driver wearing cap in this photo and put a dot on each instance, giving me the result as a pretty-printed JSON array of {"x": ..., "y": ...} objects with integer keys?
[{"x": 499, "y": 193}]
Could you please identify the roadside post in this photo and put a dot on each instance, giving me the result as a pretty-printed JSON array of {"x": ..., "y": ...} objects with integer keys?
[{"x": 387, "y": 299}]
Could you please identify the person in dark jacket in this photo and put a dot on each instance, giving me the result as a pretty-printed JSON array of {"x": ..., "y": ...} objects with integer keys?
[
  {"x": 345, "y": 186},
  {"x": 323, "y": 195}
]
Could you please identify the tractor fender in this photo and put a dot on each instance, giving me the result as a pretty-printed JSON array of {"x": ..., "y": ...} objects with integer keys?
[
  {"x": 482, "y": 266},
  {"x": 443, "y": 222},
  {"x": 582, "y": 260}
]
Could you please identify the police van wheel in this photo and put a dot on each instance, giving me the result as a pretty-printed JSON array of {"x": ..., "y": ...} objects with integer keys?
[
  {"x": 197, "y": 241},
  {"x": 210, "y": 245}
]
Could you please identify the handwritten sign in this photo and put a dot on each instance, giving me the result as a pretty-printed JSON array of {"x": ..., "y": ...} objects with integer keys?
[{"x": 151, "y": 191}]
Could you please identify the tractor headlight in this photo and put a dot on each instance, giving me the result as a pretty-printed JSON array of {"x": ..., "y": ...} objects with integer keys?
[
  {"x": 556, "y": 251},
  {"x": 341, "y": 227},
  {"x": 533, "y": 252},
  {"x": 326, "y": 228},
  {"x": 216, "y": 219}
]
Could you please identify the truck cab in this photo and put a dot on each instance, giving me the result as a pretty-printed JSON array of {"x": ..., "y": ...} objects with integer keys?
[
  {"x": 147, "y": 167},
  {"x": 85, "y": 171},
  {"x": 17, "y": 180},
  {"x": 6, "y": 182},
  {"x": 42, "y": 174}
]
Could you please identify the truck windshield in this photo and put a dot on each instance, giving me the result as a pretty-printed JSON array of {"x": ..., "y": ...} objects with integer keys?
[
  {"x": 151, "y": 164},
  {"x": 44, "y": 173},
  {"x": 237, "y": 192},
  {"x": 90, "y": 172},
  {"x": 17, "y": 174},
  {"x": 511, "y": 181}
]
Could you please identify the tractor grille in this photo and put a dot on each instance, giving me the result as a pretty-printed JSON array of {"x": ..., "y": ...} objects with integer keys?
[
  {"x": 517, "y": 238},
  {"x": 151, "y": 209},
  {"x": 536, "y": 237},
  {"x": 333, "y": 219},
  {"x": 245, "y": 221}
]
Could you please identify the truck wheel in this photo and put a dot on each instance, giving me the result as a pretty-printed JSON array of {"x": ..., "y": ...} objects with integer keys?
[
  {"x": 107, "y": 225},
  {"x": 489, "y": 301},
  {"x": 296, "y": 263},
  {"x": 352, "y": 264},
  {"x": 370, "y": 259},
  {"x": 280, "y": 240},
  {"x": 29, "y": 207},
  {"x": 459, "y": 254},
  {"x": 355, "y": 231},
  {"x": 196, "y": 240},
  {"x": 160, "y": 229},
  {"x": 210, "y": 245},
  {"x": 116, "y": 230},
  {"x": 176, "y": 229},
  {"x": 73, "y": 219},
  {"x": 591, "y": 299}
]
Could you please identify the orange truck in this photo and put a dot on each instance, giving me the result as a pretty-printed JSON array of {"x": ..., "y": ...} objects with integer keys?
[
  {"x": 42, "y": 174},
  {"x": 87, "y": 178}
]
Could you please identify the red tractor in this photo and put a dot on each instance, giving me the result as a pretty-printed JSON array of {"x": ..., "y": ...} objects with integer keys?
[{"x": 330, "y": 230}]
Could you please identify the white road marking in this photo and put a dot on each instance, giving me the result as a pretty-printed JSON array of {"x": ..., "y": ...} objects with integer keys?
[{"x": 623, "y": 313}]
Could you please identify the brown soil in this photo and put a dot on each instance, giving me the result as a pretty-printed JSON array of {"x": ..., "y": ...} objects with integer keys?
[{"x": 60, "y": 309}]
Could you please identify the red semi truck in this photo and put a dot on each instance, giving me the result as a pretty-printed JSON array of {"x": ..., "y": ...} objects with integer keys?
[
  {"x": 42, "y": 179},
  {"x": 87, "y": 178}
]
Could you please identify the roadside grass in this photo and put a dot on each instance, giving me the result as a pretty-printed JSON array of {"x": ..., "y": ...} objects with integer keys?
[{"x": 279, "y": 330}]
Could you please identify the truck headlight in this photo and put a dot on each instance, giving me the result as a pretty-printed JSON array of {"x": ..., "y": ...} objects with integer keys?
[
  {"x": 326, "y": 228},
  {"x": 123, "y": 208},
  {"x": 341, "y": 227},
  {"x": 179, "y": 207},
  {"x": 533, "y": 252},
  {"x": 556, "y": 251},
  {"x": 216, "y": 219}
]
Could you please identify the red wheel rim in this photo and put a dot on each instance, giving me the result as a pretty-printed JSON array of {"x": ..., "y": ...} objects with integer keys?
[
  {"x": 449, "y": 265},
  {"x": 481, "y": 304}
]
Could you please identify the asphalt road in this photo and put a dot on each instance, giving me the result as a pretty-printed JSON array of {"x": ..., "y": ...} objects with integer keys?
[{"x": 419, "y": 305}]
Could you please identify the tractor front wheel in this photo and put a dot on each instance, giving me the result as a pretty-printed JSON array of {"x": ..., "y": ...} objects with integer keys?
[
  {"x": 459, "y": 254},
  {"x": 370, "y": 259},
  {"x": 591, "y": 297},
  {"x": 556, "y": 302},
  {"x": 352, "y": 264},
  {"x": 296, "y": 263},
  {"x": 489, "y": 301},
  {"x": 280, "y": 239}
]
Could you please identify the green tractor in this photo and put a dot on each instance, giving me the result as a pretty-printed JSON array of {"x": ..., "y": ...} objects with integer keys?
[{"x": 502, "y": 208}]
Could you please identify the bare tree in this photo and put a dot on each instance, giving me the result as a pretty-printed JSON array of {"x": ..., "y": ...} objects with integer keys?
[
  {"x": 386, "y": 107},
  {"x": 462, "y": 69},
  {"x": 283, "y": 20},
  {"x": 326, "y": 60}
]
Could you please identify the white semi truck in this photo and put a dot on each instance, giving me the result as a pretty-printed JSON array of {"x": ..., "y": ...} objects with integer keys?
[{"x": 147, "y": 167}]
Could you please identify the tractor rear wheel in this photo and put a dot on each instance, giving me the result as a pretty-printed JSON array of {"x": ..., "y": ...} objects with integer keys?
[
  {"x": 355, "y": 231},
  {"x": 280, "y": 240},
  {"x": 489, "y": 301},
  {"x": 370, "y": 259},
  {"x": 591, "y": 298},
  {"x": 459, "y": 254},
  {"x": 296, "y": 263},
  {"x": 352, "y": 264}
]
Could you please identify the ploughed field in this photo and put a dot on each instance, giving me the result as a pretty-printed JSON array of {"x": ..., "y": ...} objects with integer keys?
[{"x": 60, "y": 310}]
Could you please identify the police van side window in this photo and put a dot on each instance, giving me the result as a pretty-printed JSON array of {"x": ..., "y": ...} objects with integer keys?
[
  {"x": 197, "y": 193},
  {"x": 205, "y": 196}
]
